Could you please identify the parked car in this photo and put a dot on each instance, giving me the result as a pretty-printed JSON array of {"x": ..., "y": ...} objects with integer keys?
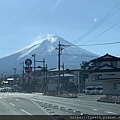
[
  {"x": 5, "y": 89},
  {"x": 98, "y": 90},
  {"x": 12, "y": 90},
  {"x": 89, "y": 90}
]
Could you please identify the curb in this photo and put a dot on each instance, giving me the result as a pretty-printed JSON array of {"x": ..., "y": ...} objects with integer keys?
[
  {"x": 67, "y": 96},
  {"x": 108, "y": 101}
]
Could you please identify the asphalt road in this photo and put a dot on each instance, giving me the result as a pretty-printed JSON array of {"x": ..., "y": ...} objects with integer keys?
[{"x": 38, "y": 104}]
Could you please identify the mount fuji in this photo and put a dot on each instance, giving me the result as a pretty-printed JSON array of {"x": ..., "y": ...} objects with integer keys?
[{"x": 71, "y": 55}]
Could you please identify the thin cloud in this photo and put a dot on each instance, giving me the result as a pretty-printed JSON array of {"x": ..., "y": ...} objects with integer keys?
[{"x": 55, "y": 6}]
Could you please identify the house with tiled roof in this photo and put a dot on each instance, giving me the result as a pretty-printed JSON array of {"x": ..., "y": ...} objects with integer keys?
[{"x": 106, "y": 72}]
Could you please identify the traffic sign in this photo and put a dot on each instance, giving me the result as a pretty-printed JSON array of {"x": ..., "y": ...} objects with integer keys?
[
  {"x": 28, "y": 62},
  {"x": 28, "y": 69}
]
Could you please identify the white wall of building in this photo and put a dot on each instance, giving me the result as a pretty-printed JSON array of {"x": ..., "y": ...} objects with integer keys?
[
  {"x": 52, "y": 86},
  {"x": 109, "y": 88}
]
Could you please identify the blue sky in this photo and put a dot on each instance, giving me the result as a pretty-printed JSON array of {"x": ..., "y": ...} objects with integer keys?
[{"x": 22, "y": 22}]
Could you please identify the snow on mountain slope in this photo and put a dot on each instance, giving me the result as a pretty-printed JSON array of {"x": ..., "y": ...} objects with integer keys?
[{"x": 71, "y": 55}]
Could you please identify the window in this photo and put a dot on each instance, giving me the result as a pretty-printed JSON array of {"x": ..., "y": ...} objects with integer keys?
[
  {"x": 97, "y": 64},
  {"x": 97, "y": 76},
  {"x": 114, "y": 63},
  {"x": 114, "y": 85},
  {"x": 109, "y": 74}
]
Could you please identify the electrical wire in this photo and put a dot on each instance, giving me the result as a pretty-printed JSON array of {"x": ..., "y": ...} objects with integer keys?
[
  {"x": 103, "y": 32},
  {"x": 110, "y": 43},
  {"x": 114, "y": 10}
]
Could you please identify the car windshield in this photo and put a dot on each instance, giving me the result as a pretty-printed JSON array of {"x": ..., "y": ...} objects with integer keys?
[
  {"x": 90, "y": 88},
  {"x": 99, "y": 88},
  {"x": 59, "y": 57}
]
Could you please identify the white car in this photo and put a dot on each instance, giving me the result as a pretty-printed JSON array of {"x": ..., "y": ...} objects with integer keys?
[
  {"x": 5, "y": 90},
  {"x": 98, "y": 90},
  {"x": 89, "y": 90}
]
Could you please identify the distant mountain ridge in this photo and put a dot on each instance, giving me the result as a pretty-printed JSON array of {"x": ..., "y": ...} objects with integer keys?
[{"x": 71, "y": 56}]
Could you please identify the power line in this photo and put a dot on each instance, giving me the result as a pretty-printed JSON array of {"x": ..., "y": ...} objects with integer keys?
[
  {"x": 79, "y": 55},
  {"x": 114, "y": 10},
  {"x": 98, "y": 44},
  {"x": 103, "y": 32}
]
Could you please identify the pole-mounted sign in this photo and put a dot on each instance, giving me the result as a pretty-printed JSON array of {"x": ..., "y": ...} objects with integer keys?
[
  {"x": 28, "y": 62},
  {"x": 28, "y": 69}
]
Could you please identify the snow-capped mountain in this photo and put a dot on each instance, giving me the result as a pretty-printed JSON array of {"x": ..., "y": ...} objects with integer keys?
[{"x": 71, "y": 55}]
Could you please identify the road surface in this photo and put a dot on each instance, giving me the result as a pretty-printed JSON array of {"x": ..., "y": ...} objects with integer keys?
[{"x": 38, "y": 104}]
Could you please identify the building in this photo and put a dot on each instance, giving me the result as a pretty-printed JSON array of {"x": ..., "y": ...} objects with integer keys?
[
  {"x": 66, "y": 83},
  {"x": 106, "y": 72},
  {"x": 71, "y": 80}
]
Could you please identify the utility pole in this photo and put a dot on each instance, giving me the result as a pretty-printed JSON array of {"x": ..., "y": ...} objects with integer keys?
[
  {"x": 46, "y": 77},
  {"x": 43, "y": 64},
  {"x": 23, "y": 77},
  {"x": 33, "y": 55},
  {"x": 14, "y": 76},
  {"x": 78, "y": 82},
  {"x": 43, "y": 61},
  {"x": 63, "y": 70},
  {"x": 46, "y": 72},
  {"x": 5, "y": 76},
  {"x": 23, "y": 82},
  {"x": 63, "y": 83},
  {"x": 60, "y": 48}
]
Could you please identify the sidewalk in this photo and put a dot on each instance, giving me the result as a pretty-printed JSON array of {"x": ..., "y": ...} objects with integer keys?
[{"x": 110, "y": 99}]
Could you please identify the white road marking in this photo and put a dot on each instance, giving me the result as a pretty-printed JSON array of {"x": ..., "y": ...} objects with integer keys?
[
  {"x": 40, "y": 108},
  {"x": 12, "y": 104},
  {"x": 25, "y": 112},
  {"x": 110, "y": 112},
  {"x": 17, "y": 99},
  {"x": 94, "y": 109}
]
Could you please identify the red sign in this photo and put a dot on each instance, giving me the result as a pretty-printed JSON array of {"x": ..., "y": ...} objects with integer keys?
[{"x": 28, "y": 69}]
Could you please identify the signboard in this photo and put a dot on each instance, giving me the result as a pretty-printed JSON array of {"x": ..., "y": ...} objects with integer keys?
[
  {"x": 28, "y": 62},
  {"x": 28, "y": 69}
]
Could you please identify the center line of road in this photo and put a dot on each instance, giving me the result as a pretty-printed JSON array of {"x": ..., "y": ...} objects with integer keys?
[
  {"x": 25, "y": 112},
  {"x": 12, "y": 104}
]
